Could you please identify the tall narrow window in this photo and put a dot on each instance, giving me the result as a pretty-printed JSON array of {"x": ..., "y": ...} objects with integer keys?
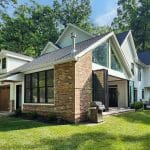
[
  {"x": 3, "y": 63},
  {"x": 139, "y": 74},
  {"x": 27, "y": 88},
  {"x": 101, "y": 54},
  {"x": 132, "y": 68},
  {"x": 34, "y": 87},
  {"x": 142, "y": 93},
  {"x": 114, "y": 62},
  {"x": 135, "y": 94}
]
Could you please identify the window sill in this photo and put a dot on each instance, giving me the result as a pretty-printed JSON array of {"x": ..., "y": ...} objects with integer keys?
[{"x": 40, "y": 104}]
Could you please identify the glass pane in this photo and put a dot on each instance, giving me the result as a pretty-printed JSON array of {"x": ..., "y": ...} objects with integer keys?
[
  {"x": 42, "y": 79},
  {"x": 34, "y": 80},
  {"x": 114, "y": 62},
  {"x": 34, "y": 95},
  {"x": 27, "y": 96},
  {"x": 50, "y": 94},
  {"x": 27, "y": 81},
  {"x": 3, "y": 63},
  {"x": 42, "y": 95},
  {"x": 50, "y": 77},
  {"x": 101, "y": 55}
]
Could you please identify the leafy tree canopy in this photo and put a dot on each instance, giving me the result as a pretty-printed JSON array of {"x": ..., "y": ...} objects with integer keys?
[{"x": 134, "y": 15}]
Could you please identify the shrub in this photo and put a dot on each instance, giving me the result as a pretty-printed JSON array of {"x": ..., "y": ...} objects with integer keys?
[
  {"x": 18, "y": 112},
  {"x": 137, "y": 105},
  {"x": 33, "y": 115},
  {"x": 52, "y": 117}
]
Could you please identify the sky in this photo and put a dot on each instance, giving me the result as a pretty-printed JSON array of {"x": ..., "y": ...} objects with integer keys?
[{"x": 103, "y": 11}]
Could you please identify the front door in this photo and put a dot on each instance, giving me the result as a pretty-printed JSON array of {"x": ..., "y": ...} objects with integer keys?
[
  {"x": 18, "y": 96},
  {"x": 113, "y": 96}
]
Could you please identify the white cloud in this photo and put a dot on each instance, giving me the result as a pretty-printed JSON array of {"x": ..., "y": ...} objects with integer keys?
[{"x": 106, "y": 19}]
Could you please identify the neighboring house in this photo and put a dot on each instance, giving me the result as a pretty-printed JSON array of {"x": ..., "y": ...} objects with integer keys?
[
  {"x": 10, "y": 87},
  {"x": 80, "y": 68}
]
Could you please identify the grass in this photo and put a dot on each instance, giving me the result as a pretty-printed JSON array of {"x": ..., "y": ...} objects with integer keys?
[{"x": 129, "y": 131}]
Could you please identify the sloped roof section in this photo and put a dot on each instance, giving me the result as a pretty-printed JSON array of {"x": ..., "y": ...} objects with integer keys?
[
  {"x": 144, "y": 57},
  {"x": 65, "y": 53},
  {"x": 121, "y": 37}
]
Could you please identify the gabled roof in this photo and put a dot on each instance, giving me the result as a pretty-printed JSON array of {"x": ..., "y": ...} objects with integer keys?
[
  {"x": 122, "y": 36},
  {"x": 144, "y": 57},
  {"x": 73, "y": 26},
  {"x": 47, "y": 45},
  {"x": 16, "y": 55},
  {"x": 59, "y": 55}
]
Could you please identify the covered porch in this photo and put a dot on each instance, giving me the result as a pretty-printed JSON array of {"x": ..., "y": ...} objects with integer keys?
[{"x": 111, "y": 90}]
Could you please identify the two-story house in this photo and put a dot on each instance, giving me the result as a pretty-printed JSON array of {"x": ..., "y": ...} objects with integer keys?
[
  {"x": 78, "y": 69},
  {"x": 10, "y": 89}
]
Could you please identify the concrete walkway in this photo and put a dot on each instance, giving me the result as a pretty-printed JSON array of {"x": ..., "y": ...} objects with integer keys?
[
  {"x": 6, "y": 114},
  {"x": 115, "y": 111}
]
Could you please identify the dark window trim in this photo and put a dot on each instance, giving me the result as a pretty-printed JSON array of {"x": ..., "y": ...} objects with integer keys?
[
  {"x": 4, "y": 63},
  {"x": 46, "y": 86}
]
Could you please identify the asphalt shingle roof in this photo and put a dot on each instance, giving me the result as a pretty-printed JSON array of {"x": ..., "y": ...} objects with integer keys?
[
  {"x": 144, "y": 57},
  {"x": 51, "y": 57},
  {"x": 121, "y": 36}
]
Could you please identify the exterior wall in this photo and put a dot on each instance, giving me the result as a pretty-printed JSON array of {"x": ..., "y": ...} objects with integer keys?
[
  {"x": 147, "y": 94},
  {"x": 73, "y": 91},
  {"x": 83, "y": 86},
  {"x": 122, "y": 88},
  {"x": 13, "y": 63},
  {"x": 147, "y": 76},
  {"x": 66, "y": 40}
]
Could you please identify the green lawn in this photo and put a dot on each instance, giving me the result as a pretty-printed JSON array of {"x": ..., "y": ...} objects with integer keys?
[{"x": 125, "y": 132}]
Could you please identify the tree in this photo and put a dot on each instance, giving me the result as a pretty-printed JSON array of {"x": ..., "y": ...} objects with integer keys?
[
  {"x": 134, "y": 15},
  {"x": 99, "y": 30},
  {"x": 29, "y": 31},
  {"x": 73, "y": 11}
]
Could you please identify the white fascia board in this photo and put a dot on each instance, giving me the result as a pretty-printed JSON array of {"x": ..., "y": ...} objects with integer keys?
[
  {"x": 93, "y": 46},
  {"x": 49, "y": 65},
  {"x": 51, "y": 44},
  {"x": 18, "y": 57},
  {"x": 16, "y": 77},
  {"x": 125, "y": 39}
]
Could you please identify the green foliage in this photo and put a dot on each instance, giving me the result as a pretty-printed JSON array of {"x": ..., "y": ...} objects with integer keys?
[
  {"x": 29, "y": 31},
  {"x": 134, "y": 15},
  {"x": 136, "y": 105},
  {"x": 18, "y": 112},
  {"x": 73, "y": 11},
  {"x": 52, "y": 117},
  {"x": 32, "y": 115}
]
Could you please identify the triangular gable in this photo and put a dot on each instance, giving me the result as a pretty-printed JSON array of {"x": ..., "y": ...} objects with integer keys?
[
  {"x": 65, "y": 38},
  {"x": 49, "y": 48},
  {"x": 118, "y": 51}
]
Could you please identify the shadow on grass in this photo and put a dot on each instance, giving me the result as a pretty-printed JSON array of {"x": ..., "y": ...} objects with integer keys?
[
  {"x": 137, "y": 117},
  {"x": 90, "y": 140},
  {"x": 10, "y": 123}
]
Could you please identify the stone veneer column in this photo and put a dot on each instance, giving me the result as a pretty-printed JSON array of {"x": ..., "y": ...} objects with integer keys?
[{"x": 83, "y": 87}]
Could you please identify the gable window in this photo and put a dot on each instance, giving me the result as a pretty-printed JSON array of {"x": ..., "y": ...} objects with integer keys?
[
  {"x": 101, "y": 54},
  {"x": 39, "y": 87},
  {"x": 3, "y": 63},
  {"x": 114, "y": 62},
  {"x": 139, "y": 74},
  {"x": 132, "y": 68}
]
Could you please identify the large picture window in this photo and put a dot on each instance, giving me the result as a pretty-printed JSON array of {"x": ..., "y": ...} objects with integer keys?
[
  {"x": 39, "y": 87},
  {"x": 101, "y": 54}
]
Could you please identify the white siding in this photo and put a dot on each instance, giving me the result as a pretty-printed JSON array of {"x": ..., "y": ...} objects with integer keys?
[
  {"x": 66, "y": 39},
  {"x": 13, "y": 63}
]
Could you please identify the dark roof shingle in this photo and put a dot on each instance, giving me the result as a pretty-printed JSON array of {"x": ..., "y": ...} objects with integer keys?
[
  {"x": 144, "y": 57},
  {"x": 51, "y": 57},
  {"x": 121, "y": 36}
]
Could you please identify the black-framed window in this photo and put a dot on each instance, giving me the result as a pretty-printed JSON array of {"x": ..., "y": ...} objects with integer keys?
[
  {"x": 139, "y": 74},
  {"x": 135, "y": 94},
  {"x": 142, "y": 93},
  {"x": 132, "y": 68},
  {"x": 3, "y": 63},
  {"x": 39, "y": 87}
]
